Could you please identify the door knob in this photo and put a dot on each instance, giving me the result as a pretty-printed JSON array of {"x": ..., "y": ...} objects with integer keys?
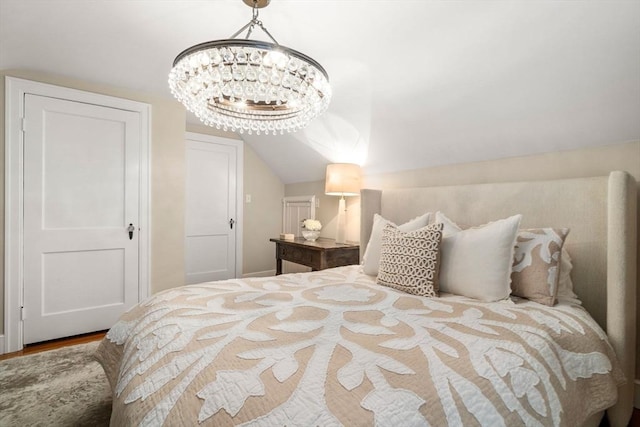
[
  {"x": 231, "y": 222},
  {"x": 131, "y": 229}
]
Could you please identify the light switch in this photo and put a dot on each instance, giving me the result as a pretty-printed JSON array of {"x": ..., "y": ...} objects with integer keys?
[{"x": 247, "y": 198}]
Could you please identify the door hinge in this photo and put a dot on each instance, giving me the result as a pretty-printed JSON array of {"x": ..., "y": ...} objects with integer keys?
[
  {"x": 23, "y": 124},
  {"x": 22, "y": 313}
]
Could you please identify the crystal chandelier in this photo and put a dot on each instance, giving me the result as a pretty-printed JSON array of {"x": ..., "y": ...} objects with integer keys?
[{"x": 248, "y": 85}]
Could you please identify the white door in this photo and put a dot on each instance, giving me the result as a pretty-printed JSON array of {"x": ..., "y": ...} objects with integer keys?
[
  {"x": 296, "y": 209},
  {"x": 211, "y": 217},
  {"x": 81, "y": 193}
]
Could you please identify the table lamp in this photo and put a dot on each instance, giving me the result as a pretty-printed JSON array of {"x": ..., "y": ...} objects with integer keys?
[{"x": 343, "y": 179}]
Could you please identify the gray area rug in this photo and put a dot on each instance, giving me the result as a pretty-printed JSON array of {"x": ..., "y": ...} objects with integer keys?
[{"x": 63, "y": 387}]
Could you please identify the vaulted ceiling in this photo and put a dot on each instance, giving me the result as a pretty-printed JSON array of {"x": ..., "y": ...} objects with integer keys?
[{"x": 415, "y": 83}]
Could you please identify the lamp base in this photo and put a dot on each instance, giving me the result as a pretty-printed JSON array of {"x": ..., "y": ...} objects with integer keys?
[{"x": 342, "y": 219}]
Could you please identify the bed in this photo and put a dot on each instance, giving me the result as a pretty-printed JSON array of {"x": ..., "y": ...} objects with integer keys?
[{"x": 335, "y": 347}]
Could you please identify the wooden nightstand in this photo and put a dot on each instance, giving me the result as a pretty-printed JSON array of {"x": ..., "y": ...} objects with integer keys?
[{"x": 321, "y": 254}]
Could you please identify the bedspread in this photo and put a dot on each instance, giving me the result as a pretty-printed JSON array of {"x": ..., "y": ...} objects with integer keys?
[{"x": 334, "y": 348}]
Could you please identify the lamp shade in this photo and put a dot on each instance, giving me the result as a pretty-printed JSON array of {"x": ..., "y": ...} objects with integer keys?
[{"x": 343, "y": 179}]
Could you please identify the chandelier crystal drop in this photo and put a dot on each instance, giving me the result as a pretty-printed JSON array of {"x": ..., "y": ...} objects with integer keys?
[{"x": 250, "y": 86}]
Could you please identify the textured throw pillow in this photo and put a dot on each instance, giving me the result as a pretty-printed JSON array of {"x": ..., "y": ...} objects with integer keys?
[
  {"x": 371, "y": 257},
  {"x": 476, "y": 262},
  {"x": 410, "y": 261},
  {"x": 536, "y": 265}
]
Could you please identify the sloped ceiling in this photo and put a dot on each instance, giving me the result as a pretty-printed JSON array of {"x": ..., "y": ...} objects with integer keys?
[{"x": 415, "y": 83}]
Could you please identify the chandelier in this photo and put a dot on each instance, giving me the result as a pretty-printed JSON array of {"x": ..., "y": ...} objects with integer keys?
[{"x": 250, "y": 86}]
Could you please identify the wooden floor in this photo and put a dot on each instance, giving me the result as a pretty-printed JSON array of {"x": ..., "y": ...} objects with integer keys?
[
  {"x": 54, "y": 344},
  {"x": 97, "y": 336}
]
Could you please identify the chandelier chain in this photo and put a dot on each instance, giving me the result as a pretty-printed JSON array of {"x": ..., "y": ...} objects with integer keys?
[
  {"x": 250, "y": 30},
  {"x": 267, "y": 32},
  {"x": 234, "y": 35},
  {"x": 254, "y": 19},
  {"x": 251, "y": 24}
]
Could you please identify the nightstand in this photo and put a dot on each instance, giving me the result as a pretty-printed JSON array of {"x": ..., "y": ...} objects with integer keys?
[{"x": 321, "y": 254}]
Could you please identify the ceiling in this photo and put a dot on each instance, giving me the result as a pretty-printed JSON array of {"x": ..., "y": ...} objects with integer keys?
[{"x": 416, "y": 83}]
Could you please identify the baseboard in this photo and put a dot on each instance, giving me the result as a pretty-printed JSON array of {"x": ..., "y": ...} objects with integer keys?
[
  {"x": 260, "y": 274},
  {"x": 636, "y": 401},
  {"x": 2, "y": 345}
]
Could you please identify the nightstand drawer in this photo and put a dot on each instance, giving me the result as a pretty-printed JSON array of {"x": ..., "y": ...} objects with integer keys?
[
  {"x": 340, "y": 258},
  {"x": 299, "y": 255}
]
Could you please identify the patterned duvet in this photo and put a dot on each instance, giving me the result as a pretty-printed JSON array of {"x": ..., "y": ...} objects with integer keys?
[{"x": 334, "y": 348}]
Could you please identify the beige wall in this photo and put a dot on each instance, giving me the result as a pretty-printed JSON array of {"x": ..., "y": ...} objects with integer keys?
[
  {"x": 557, "y": 165},
  {"x": 167, "y": 158},
  {"x": 263, "y": 216}
]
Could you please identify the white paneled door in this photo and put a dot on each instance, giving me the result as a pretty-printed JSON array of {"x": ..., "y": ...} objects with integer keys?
[
  {"x": 81, "y": 198},
  {"x": 212, "y": 218},
  {"x": 296, "y": 209}
]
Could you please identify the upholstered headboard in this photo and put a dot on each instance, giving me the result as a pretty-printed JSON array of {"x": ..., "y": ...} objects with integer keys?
[{"x": 601, "y": 213}]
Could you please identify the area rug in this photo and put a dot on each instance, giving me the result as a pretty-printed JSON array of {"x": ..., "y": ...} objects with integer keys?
[{"x": 63, "y": 387}]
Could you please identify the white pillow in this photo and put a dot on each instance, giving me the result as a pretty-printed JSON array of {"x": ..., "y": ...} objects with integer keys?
[
  {"x": 476, "y": 262},
  {"x": 371, "y": 257}
]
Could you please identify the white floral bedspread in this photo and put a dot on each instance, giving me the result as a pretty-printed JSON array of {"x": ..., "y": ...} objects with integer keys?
[{"x": 334, "y": 348}]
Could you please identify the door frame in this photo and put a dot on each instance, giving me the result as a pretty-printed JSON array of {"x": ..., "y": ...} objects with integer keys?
[
  {"x": 15, "y": 91},
  {"x": 239, "y": 146}
]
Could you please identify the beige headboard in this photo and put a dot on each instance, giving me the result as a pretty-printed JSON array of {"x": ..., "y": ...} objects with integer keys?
[{"x": 601, "y": 213}]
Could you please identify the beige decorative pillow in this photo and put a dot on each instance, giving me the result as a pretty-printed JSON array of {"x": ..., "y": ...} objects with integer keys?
[
  {"x": 410, "y": 261},
  {"x": 536, "y": 266},
  {"x": 371, "y": 258}
]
